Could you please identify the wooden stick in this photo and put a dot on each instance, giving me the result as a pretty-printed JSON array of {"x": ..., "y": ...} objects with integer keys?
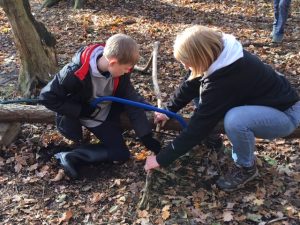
[
  {"x": 144, "y": 69},
  {"x": 154, "y": 75},
  {"x": 149, "y": 177},
  {"x": 143, "y": 203},
  {"x": 276, "y": 220}
]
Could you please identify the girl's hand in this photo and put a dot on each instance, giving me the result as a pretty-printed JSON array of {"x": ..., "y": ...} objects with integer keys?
[
  {"x": 160, "y": 118},
  {"x": 151, "y": 163}
]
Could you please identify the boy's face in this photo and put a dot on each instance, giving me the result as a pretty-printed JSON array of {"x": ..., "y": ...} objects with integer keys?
[{"x": 116, "y": 69}]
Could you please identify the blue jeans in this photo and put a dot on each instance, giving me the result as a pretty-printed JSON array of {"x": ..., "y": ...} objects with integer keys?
[
  {"x": 281, "y": 8},
  {"x": 244, "y": 123}
]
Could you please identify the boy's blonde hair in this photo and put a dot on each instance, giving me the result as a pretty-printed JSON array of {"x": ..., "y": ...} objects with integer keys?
[
  {"x": 198, "y": 46},
  {"x": 123, "y": 48}
]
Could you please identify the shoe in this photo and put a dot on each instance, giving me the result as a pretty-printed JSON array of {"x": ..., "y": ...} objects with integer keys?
[
  {"x": 237, "y": 177},
  {"x": 277, "y": 38},
  {"x": 67, "y": 164}
]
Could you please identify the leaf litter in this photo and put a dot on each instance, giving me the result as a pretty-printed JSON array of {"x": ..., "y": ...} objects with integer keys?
[{"x": 35, "y": 191}]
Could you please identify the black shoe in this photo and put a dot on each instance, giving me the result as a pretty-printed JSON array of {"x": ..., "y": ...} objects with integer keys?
[
  {"x": 67, "y": 164},
  {"x": 237, "y": 177}
]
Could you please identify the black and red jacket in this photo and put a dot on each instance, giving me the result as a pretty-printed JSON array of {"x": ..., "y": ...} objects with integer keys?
[{"x": 67, "y": 93}]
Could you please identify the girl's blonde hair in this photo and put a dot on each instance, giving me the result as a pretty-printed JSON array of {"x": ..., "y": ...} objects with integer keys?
[
  {"x": 123, "y": 48},
  {"x": 198, "y": 46}
]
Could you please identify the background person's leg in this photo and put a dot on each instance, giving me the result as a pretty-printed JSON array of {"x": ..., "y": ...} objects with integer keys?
[
  {"x": 281, "y": 10},
  {"x": 276, "y": 14}
]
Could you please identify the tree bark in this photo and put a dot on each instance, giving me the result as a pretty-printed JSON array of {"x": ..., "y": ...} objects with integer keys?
[
  {"x": 35, "y": 44},
  {"x": 40, "y": 114}
]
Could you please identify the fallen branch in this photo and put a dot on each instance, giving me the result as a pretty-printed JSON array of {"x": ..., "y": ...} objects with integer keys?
[
  {"x": 40, "y": 114},
  {"x": 149, "y": 177},
  {"x": 256, "y": 44},
  {"x": 145, "y": 68},
  {"x": 276, "y": 220},
  {"x": 143, "y": 203}
]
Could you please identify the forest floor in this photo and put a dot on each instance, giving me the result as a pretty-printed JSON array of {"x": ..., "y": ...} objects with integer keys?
[{"x": 35, "y": 191}]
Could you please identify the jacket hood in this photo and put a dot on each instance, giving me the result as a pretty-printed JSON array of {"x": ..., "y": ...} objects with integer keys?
[
  {"x": 232, "y": 51},
  {"x": 98, "y": 52},
  {"x": 76, "y": 57}
]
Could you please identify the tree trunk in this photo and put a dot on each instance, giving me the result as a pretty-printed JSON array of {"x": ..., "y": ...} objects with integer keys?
[
  {"x": 35, "y": 44},
  {"x": 39, "y": 114}
]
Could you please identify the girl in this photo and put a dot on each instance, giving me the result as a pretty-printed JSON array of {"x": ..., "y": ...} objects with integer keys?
[{"x": 234, "y": 85}]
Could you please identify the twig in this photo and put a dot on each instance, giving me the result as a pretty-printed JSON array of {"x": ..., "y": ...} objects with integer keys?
[
  {"x": 43, "y": 193},
  {"x": 276, "y": 220},
  {"x": 6, "y": 80},
  {"x": 144, "y": 69},
  {"x": 256, "y": 44},
  {"x": 165, "y": 133},
  {"x": 146, "y": 190}
]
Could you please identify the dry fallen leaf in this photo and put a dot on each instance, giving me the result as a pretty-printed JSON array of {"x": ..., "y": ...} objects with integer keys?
[
  {"x": 33, "y": 167},
  {"x": 96, "y": 197},
  {"x": 141, "y": 156},
  {"x": 143, "y": 214},
  {"x": 227, "y": 216},
  {"x": 18, "y": 167},
  {"x": 258, "y": 202},
  {"x": 65, "y": 217},
  {"x": 165, "y": 212},
  {"x": 165, "y": 215},
  {"x": 59, "y": 176}
]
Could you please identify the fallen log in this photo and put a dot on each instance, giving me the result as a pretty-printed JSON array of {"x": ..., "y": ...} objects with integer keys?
[{"x": 40, "y": 114}]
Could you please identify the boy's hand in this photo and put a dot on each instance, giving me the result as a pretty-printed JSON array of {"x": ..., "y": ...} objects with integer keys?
[
  {"x": 151, "y": 163},
  {"x": 160, "y": 118}
]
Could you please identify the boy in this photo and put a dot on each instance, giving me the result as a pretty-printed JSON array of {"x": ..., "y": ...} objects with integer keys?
[{"x": 96, "y": 71}]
